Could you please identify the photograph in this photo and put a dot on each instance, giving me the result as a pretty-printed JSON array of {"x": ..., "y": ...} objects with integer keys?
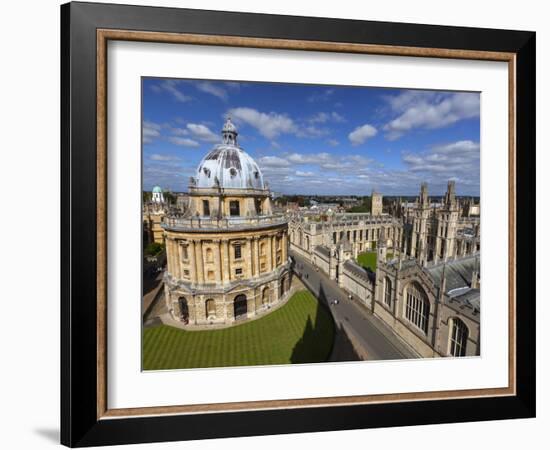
[{"x": 288, "y": 223}]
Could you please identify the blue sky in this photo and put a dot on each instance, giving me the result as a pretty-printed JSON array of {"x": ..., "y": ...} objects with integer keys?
[{"x": 312, "y": 139}]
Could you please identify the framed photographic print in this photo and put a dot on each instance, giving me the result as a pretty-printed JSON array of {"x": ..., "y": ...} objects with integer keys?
[{"x": 277, "y": 224}]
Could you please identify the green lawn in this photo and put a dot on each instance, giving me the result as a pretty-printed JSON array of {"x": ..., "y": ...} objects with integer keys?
[
  {"x": 301, "y": 331},
  {"x": 367, "y": 260}
]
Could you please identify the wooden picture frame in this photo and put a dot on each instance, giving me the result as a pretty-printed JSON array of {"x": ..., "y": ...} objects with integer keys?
[{"x": 86, "y": 418}]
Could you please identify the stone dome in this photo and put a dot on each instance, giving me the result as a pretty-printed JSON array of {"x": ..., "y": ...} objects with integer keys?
[{"x": 227, "y": 166}]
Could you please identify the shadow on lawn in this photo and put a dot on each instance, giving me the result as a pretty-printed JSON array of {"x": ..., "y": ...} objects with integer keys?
[{"x": 312, "y": 347}]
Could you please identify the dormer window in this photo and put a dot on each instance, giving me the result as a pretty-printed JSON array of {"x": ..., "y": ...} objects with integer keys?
[
  {"x": 256, "y": 174},
  {"x": 206, "y": 172},
  {"x": 233, "y": 172}
]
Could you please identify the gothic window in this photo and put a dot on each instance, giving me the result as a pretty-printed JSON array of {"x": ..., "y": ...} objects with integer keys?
[
  {"x": 417, "y": 309},
  {"x": 387, "y": 291},
  {"x": 205, "y": 208},
  {"x": 458, "y": 338},
  {"x": 234, "y": 208},
  {"x": 237, "y": 248}
]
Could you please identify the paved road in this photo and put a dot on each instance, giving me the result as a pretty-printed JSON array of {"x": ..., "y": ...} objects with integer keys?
[{"x": 377, "y": 339}]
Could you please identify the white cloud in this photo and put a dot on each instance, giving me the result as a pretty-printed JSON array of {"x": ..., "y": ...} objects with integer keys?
[
  {"x": 150, "y": 131},
  {"x": 213, "y": 89},
  {"x": 269, "y": 125},
  {"x": 311, "y": 131},
  {"x": 202, "y": 133},
  {"x": 361, "y": 134},
  {"x": 300, "y": 173},
  {"x": 273, "y": 161},
  {"x": 315, "y": 158},
  {"x": 324, "y": 117},
  {"x": 457, "y": 160},
  {"x": 172, "y": 87},
  {"x": 185, "y": 142},
  {"x": 159, "y": 157},
  {"x": 429, "y": 110},
  {"x": 333, "y": 142},
  {"x": 321, "y": 96}
]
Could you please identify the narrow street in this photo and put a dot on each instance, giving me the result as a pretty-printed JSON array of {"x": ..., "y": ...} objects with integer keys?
[{"x": 375, "y": 337}]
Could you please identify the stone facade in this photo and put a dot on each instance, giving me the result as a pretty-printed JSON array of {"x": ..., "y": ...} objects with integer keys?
[
  {"x": 426, "y": 284},
  {"x": 152, "y": 218},
  {"x": 449, "y": 293},
  {"x": 376, "y": 203},
  {"x": 228, "y": 254}
]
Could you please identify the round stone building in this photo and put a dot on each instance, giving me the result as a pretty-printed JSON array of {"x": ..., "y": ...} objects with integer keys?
[{"x": 228, "y": 254}]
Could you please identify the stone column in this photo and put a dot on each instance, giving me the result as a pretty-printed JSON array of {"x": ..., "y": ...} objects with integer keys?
[
  {"x": 284, "y": 247},
  {"x": 256, "y": 256},
  {"x": 225, "y": 261},
  {"x": 274, "y": 251},
  {"x": 217, "y": 261},
  {"x": 192, "y": 263},
  {"x": 178, "y": 271},
  {"x": 173, "y": 258},
  {"x": 199, "y": 262},
  {"x": 250, "y": 257}
]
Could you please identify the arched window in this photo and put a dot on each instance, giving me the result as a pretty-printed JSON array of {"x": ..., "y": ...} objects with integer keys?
[
  {"x": 262, "y": 248},
  {"x": 417, "y": 308},
  {"x": 265, "y": 296},
  {"x": 240, "y": 307},
  {"x": 210, "y": 306},
  {"x": 184, "y": 309},
  {"x": 282, "y": 287},
  {"x": 387, "y": 291},
  {"x": 458, "y": 337}
]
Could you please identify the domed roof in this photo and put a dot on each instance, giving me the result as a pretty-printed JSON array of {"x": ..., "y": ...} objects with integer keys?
[
  {"x": 157, "y": 189},
  {"x": 228, "y": 166}
]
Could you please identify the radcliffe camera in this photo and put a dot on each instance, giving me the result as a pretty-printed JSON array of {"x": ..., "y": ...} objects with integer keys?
[{"x": 292, "y": 224}]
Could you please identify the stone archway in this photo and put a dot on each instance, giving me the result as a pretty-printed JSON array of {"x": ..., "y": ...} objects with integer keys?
[
  {"x": 282, "y": 287},
  {"x": 184, "y": 309},
  {"x": 265, "y": 296},
  {"x": 240, "y": 307}
]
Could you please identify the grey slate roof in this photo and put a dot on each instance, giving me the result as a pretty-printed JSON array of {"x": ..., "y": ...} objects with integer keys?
[
  {"x": 466, "y": 297},
  {"x": 458, "y": 273},
  {"x": 323, "y": 250}
]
